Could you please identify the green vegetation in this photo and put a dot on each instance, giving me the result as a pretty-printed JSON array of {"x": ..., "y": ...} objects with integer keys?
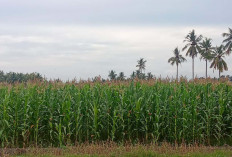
[
  {"x": 147, "y": 154},
  {"x": 52, "y": 114},
  {"x": 112, "y": 150},
  {"x": 35, "y": 112},
  {"x": 13, "y": 77}
]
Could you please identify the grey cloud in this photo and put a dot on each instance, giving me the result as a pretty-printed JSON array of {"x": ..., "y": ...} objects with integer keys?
[{"x": 177, "y": 12}]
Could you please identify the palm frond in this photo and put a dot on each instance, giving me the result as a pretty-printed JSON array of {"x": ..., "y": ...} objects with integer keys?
[
  {"x": 225, "y": 34},
  {"x": 228, "y": 39},
  {"x": 185, "y": 47},
  {"x": 225, "y": 65}
]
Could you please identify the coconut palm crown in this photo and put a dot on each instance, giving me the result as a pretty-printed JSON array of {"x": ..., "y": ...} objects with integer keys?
[
  {"x": 141, "y": 64},
  {"x": 228, "y": 41},
  {"x": 218, "y": 62},
  {"x": 112, "y": 75},
  {"x": 121, "y": 76}
]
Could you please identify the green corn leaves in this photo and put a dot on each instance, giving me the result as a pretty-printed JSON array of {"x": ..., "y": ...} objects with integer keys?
[{"x": 57, "y": 115}]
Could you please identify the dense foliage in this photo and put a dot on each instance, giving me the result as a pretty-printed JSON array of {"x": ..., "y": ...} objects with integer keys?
[
  {"x": 57, "y": 114},
  {"x": 13, "y": 77}
]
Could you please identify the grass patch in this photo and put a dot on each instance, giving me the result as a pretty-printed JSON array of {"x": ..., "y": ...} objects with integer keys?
[{"x": 113, "y": 150}]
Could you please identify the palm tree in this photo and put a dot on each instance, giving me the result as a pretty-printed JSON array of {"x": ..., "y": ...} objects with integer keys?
[
  {"x": 193, "y": 48},
  {"x": 218, "y": 61},
  {"x": 2, "y": 76},
  {"x": 121, "y": 76},
  {"x": 206, "y": 52},
  {"x": 177, "y": 59},
  {"x": 141, "y": 64},
  {"x": 139, "y": 75},
  {"x": 133, "y": 75},
  {"x": 112, "y": 75},
  {"x": 149, "y": 76},
  {"x": 228, "y": 41}
]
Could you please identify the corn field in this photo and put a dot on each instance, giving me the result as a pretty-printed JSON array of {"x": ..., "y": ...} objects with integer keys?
[{"x": 56, "y": 115}]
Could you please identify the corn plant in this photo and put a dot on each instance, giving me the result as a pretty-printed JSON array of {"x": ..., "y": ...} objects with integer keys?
[{"x": 50, "y": 114}]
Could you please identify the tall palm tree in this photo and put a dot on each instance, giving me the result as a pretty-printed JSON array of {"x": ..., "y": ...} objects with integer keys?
[
  {"x": 228, "y": 41},
  {"x": 141, "y": 64},
  {"x": 112, "y": 75},
  {"x": 206, "y": 52},
  {"x": 2, "y": 76},
  {"x": 149, "y": 76},
  {"x": 121, "y": 76},
  {"x": 133, "y": 75},
  {"x": 218, "y": 61},
  {"x": 193, "y": 46},
  {"x": 138, "y": 74},
  {"x": 176, "y": 59}
]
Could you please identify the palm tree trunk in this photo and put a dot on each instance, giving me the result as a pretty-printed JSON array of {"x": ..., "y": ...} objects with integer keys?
[
  {"x": 206, "y": 76},
  {"x": 193, "y": 67},
  {"x": 177, "y": 73},
  {"x": 219, "y": 74}
]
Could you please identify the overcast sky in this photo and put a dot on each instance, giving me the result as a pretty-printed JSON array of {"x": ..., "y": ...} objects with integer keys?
[{"x": 84, "y": 38}]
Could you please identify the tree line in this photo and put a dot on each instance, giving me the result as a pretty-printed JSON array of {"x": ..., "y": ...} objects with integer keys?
[
  {"x": 139, "y": 73},
  {"x": 13, "y": 77},
  {"x": 215, "y": 55}
]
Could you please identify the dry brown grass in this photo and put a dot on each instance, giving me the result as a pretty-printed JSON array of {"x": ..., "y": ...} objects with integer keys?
[
  {"x": 111, "y": 148},
  {"x": 81, "y": 83}
]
